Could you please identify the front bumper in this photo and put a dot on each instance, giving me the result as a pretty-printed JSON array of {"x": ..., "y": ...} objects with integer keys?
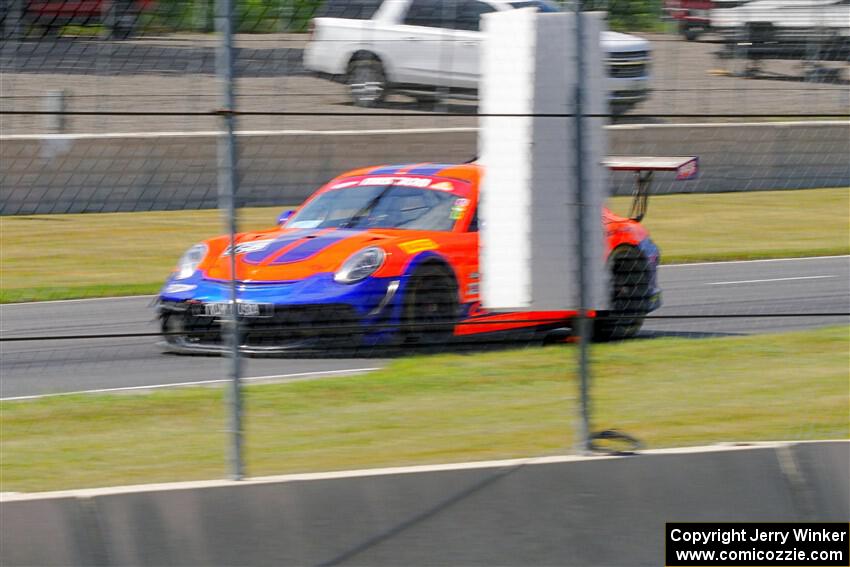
[{"x": 312, "y": 313}]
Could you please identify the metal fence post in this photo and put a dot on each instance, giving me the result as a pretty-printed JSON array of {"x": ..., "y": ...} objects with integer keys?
[
  {"x": 584, "y": 330},
  {"x": 54, "y": 103},
  {"x": 227, "y": 204}
]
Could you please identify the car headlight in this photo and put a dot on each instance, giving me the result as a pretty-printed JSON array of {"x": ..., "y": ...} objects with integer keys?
[
  {"x": 360, "y": 265},
  {"x": 189, "y": 262}
]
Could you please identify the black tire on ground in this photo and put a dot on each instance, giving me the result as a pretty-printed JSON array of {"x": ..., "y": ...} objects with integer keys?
[
  {"x": 430, "y": 306},
  {"x": 630, "y": 290},
  {"x": 121, "y": 31},
  {"x": 367, "y": 81},
  {"x": 691, "y": 33},
  {"x": 426, "y": 99},
  {"x": 170, "y": 324}
]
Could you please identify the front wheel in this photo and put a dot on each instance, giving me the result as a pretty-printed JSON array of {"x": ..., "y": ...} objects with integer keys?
[
  {"x": 367, "y": 82},
  {"x": 631, "y": 278},
  {"x": 430, "y": 307}
]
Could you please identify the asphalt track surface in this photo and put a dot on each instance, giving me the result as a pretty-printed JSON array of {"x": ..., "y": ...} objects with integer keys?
[{"x": 758, "y": 290}]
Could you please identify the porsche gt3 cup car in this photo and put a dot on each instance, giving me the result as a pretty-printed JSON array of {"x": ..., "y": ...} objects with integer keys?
[{"x": 381, "y": 255}]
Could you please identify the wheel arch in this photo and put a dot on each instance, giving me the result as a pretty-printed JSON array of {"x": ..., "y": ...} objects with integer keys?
[
  {"x": 430, "y": 258},
  {"x": 363, "y": 54}
]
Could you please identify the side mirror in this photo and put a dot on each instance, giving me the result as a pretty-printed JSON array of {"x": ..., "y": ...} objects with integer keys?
[{"x": 284, "y": 216}]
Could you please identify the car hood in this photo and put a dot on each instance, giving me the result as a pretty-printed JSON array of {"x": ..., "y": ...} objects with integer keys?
[
  {"x": 616, "y": 42},
  {"x": 295, "y": 254}
]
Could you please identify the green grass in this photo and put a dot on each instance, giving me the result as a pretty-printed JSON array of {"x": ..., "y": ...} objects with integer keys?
[
  {"x": 94, "y": 255},
  {"x": 444, "y": 408},
  {"x": 753, "y": 225}
]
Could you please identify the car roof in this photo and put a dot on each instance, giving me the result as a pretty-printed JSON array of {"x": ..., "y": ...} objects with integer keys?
[{"x": 470, "y": 172}]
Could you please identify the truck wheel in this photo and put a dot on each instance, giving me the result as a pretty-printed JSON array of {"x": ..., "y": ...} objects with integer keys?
[
  {"x": 367, "y": 82},
  {"x": 426, "y": 99},
  {"x": 121, "y": 31},
  {"x": 430, "y": 307},
  {"x": 630, "y": 280},
  {"x": 691, "y": 33}
]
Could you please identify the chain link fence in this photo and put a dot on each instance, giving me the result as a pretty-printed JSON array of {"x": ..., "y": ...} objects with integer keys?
[{"x": 110, "y": 120}]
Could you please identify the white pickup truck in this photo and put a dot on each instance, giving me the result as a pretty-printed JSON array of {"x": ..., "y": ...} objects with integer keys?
[
  {"x": 788, "y": 29},
  {"x": 429, "y": 49}
]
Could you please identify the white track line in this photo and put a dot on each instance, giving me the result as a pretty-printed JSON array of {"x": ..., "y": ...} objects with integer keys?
[
  {"x": 721, "y": 125},
  {"x": 771, "y": 280},
  {"x": 246, "y": 133},
  {"x": 297, "y": 375},
  {"x": 78, "y": 300},
  {"x": 686, "y": 265},
  {"x": 387, "y": 471}
]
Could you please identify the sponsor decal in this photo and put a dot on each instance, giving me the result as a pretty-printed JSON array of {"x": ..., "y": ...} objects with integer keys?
[
  {"x": 400, "y": 181},
  {"x": 443, "y": 186},
  {"x": 459, "y": 208},
  {"x": 421, "y": 182},
  {"x": 246, "y": 247},
  {"x": 420, "y": 245}
]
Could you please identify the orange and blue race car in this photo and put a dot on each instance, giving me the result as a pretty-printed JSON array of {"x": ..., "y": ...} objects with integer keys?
[{"x": 386, "y": 255}]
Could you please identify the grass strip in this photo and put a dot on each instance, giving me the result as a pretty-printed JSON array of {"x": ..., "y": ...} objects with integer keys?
[
  {"x": 441, "y": 408},
  {"x": 97, "y": 255},
  {"x": 704, "y": 227}
]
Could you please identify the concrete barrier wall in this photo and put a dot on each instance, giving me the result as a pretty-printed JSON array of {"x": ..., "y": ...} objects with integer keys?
[
  {"x": 743, "y": 157},
  {"x": 64, "y": 174},
  {"x": 557, "y": 511}
]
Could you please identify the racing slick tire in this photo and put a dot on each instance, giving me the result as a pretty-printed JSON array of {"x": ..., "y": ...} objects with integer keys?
[
  {"x": 430, "y": 306},
  {"x": 631, "y": 278},
  {"x": 366, "y": 81}
]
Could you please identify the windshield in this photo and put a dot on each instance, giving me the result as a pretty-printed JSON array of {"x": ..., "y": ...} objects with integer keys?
[
  {"x": 382, "y": 206},
  {"x": 541, "y": 5}
]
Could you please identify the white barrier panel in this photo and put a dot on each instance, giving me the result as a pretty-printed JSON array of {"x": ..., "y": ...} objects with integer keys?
[{"x": 529, "y": 201}]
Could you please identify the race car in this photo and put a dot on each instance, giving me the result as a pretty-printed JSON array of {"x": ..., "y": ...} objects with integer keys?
[{"x": 386, "y": 255}]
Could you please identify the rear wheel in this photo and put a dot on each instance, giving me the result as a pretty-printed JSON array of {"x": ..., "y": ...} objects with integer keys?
[
  {"x": 631, "y": 278},
  {"x": 430, "y": 306},
  {"x": 367, "y": 82}
]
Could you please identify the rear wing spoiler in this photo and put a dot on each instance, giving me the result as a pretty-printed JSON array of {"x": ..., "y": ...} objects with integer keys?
[{"x": 686, "y": 167}]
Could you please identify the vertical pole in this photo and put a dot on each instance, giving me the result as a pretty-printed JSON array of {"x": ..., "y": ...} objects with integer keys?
[
  {"x": 584, "y": 330},
  {"x": 226, "y": 203},
  {"x": 54, "y": 103},
  {"x": 12, "y": 23}
]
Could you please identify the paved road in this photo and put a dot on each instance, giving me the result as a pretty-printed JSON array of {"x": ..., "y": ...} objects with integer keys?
[
  {"x": 177, "y": 73},
  {"x": 40, "y": 367},
  {"x": 759, "y": 289}
]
